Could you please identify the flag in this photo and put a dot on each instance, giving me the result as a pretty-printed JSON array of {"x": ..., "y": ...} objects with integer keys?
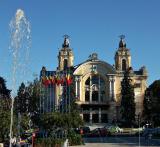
[
  {"x": 69, "y": 79},
  {"x": 45, "y": 81},
  {"x": 52, "y": 79},
  {"x": 48, "y": 81}
]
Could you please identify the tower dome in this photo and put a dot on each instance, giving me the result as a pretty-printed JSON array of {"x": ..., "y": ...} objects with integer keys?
[{"x": 122, "y": 43}]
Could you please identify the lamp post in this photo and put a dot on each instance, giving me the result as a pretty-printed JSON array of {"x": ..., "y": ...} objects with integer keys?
[
  {"x": 149, "y": 119},
  {"x": 139, "y": 121},
  {"x": 11, "y": 124}
]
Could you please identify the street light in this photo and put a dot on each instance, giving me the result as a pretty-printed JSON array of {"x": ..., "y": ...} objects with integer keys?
[
  {"x": 149, "y": 119},
  {"x": 139, "y": 114},
  {"x": 11, "y": 124}
]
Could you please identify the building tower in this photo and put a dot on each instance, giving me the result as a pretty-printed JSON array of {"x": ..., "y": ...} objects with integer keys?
[
  {"x": 65, "y": 56},
  {"x": 122, "y": 56}
]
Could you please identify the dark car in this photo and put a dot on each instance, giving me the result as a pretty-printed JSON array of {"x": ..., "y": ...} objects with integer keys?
[
  {"x": 98, "y": 132},
  {"x": 151, "y": 131},
  {"x": 82, "y": 130}
]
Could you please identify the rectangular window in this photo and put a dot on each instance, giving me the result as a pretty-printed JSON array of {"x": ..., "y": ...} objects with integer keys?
[
  {"x": 137, "y": 85},
  {"x": 87, "y": 96}
]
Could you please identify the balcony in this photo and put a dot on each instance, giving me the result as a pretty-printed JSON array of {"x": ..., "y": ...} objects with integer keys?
[
  {"x": 94, "y": 102},
  {"x": 94, "y": 111},
  {"x": 87, "y": 88}
]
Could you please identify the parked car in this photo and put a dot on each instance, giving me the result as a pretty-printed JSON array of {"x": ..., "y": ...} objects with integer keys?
[
  {"x": 98, "y": 132},
  {"x": 85, "y": 129},
  {"x": 113, "y": 129},
  {"x": 82, "y": 130},
  {"x": 151, "y": 131}
]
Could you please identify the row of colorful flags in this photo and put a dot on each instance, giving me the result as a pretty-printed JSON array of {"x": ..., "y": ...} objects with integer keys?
[{"x": 57, "y": 80}]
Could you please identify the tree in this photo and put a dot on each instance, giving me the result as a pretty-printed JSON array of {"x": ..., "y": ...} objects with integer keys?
[
  {"x": 34, "y": 92},
  {"x": 5, "y": 98},
  {"x": 127, "y": 100},
  {"x": 21, "y": 101},
  {"x": 5, "y": 105},
  {"x": 34, "y": 100},
  {"x": 27, "y": 103},
  {"x": 151, "y": 112}
]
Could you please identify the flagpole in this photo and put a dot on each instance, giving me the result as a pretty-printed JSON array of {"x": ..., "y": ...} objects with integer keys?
[
  {"x": 69, "y": 94},
  {"x": 66, "y": 92},
  {"x": 11, "y": 125},
  {"x": 40, "y": 95},
  {"x": 69, "y": 99}
]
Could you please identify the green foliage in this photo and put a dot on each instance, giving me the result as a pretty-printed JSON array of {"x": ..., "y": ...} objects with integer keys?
[
  {"x": 74, "y": 139},
  {"x": 21, "y": 101},
  {"x": 127, "y": 100},
  {"x": 27, "y": 103},
  {"x": 27, "y": 99},
  {"x": 49, "y": 121},
  {"x": 151, "y": 103},
  {"x": 4, "y": 92},
  {"x": 34, "y": 92},
  {"x": 4, "y": 125},
  {"x": 24, "y": 122},
  {"x": 5, "y": 105},
  {"x": 5, "y": 98}
]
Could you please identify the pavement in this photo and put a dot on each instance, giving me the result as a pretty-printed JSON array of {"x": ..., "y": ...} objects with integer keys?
[{"x": 120, "y": 142}]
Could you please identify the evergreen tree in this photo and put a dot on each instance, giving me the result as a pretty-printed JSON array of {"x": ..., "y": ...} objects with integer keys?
[
  {"x": 27, "y": 100},
  {"x": 33, "y": 104},
  {"x": 5, "y": 105},
  {"x": 127, "y": 100},
  {"x": 151, "y": 103},
  {"x": 5, "y": 99},
  {"x": 21, "y": 101},
  {"x": 33, "y": 94}
]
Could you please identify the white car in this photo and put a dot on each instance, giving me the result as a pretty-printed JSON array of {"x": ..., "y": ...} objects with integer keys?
[{"x": 114, "y": 129}]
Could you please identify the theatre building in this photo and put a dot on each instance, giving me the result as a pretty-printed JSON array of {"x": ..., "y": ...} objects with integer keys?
[{"x": 97, "y": 84}]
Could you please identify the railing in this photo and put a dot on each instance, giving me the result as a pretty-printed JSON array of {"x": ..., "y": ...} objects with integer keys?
[
  {"x": 94, "y": 111},
  {"x": 87, "y": 88},
  {"x": 95, "y": 102}
]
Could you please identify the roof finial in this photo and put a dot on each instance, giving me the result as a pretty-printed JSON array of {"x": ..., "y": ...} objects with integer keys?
[
  {"x": 122, "y": 42},
  {"x": 66, "y": 41}
]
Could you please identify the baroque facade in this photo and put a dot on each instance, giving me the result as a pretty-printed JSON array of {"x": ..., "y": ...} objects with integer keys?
[{"x": 97, "y": 84}]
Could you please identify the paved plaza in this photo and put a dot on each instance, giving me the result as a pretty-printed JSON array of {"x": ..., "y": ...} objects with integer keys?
[{"x": 120, "y": 142}]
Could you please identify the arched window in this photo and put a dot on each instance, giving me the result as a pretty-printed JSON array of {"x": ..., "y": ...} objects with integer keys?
[
  {"x": 95, "y": 79},
  {"x": 95, "y": 96},
  {"x": 124, "y": 65},
  {"x": 87, "y": 96},
  {"x": 65, "y": 64},
  {"x": 87, "y": 81},
  {"x": 95, "y": 89}
]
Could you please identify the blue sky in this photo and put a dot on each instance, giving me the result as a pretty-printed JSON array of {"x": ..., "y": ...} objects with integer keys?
[{"x": 93, "y": 26}]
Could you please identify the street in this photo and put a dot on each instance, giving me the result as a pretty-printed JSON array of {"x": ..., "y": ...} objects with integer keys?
[{"x": 119, "y": 141}]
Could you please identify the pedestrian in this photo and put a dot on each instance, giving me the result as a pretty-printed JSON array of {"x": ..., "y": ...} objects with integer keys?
[{"x": 13, "y": 141}]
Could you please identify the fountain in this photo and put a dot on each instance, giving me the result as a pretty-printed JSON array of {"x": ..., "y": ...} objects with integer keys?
[{"x": 19, "y": 47}]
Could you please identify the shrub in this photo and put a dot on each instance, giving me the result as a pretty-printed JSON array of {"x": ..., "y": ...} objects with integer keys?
[{"x": 75, "y": 139}]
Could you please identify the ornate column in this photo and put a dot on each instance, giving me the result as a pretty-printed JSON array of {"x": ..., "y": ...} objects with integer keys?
[
  {"x": 113, "y": 87},
  {"x": 77, "y": 86},
  {"x": 90, "y": 115},
  {"x": 99, "y": 115},
  {"x": 76, "y": 83},
  {"x": 99, "y": 89},
  {"x": 110, "y": 88},
  {"x": 90, "y": 90}
]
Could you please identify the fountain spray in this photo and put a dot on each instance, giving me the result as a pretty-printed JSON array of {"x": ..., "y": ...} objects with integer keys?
[{"x": 19, "y": 45}]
